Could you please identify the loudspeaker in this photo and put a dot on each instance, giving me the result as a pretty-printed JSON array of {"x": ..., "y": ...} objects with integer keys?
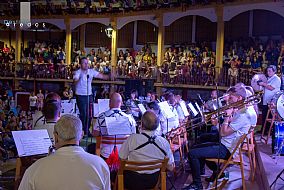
[{"x": 133, "y": 84}]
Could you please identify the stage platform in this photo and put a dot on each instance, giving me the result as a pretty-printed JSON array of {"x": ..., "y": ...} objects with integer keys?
[
  {"x": 271, "y": 165},
  {"x": 268, "y": 167}
]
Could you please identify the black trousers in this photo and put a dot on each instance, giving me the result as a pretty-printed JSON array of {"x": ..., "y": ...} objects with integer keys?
[
  {"x": 137, "y": 181},
  {"x": 82, "y": 103}
]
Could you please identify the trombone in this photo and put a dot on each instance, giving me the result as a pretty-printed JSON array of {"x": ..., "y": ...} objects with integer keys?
[{"x": 206, "y": 117}]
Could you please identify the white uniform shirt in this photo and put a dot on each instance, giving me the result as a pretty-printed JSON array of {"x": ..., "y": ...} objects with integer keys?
[
  {"x": 172, "y": 122},
  {"x": 147, "y": 153},
  {"x": 241, "y": 122},
  {"x": 81, "y": 85},
  {"x": 275, "y": 82},
  {"x": 100, "y": 125},
  {"x": 69, "y": 168}
]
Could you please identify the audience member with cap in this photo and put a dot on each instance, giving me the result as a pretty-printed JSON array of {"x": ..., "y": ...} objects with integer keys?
[{"x": 70, "y": 167}]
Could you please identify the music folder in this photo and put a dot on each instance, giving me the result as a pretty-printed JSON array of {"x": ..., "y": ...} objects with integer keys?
[
  {"x": 192, "y": 108},
  {"x": 32, "y": 142},
  {"x": 142, "y": 108},
  {"x": 118, "y": 126},
  {"x": 166, "y": 110},
  {"x": 184, "y": 109}
]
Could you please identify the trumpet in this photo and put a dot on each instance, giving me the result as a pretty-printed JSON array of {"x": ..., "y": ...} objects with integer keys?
[{"x": 206, "y": 117}]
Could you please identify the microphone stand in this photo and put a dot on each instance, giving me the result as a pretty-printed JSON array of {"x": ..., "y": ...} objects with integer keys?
[
  {"x": 219, "y": 140},
  {"x": 88, "y": 112}
]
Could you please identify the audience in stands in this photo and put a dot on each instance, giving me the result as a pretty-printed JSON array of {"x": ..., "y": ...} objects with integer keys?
[{"x": 187, "y": 64}]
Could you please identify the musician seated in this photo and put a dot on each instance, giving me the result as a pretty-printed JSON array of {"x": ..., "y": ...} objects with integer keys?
[
  {"x": 100, "y": 125},
  {"x": 50, "y": 114},
  {"x": 173, "y": 122},
  {"x": 236, "y": 123},
  {"x": 145, "y": 147},
  {"x": 211, "y": 104},
  {"x": 132, "y": 104},
  {"x": 70, "y": 167},
  {"x": 153, "y": 106}
]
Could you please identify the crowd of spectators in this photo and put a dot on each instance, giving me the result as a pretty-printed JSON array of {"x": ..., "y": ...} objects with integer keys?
[
  {"x": 242, "y": 59},
  {"x": 184, "y": 64},
  {"x": 60, "y": 7}
]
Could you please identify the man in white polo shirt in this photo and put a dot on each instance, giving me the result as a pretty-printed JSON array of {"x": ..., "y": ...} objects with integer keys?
[
  {"x": 83, "y": 83},
  {"x": 270, "y": 89}
]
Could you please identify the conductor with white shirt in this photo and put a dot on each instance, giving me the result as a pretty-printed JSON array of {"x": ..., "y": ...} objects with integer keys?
[
  {"x": 270, "y": 89},
  {"x": 83, "y": 90}
]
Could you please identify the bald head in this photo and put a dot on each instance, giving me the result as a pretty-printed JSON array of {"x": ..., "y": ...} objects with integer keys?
[
  {"x": 115, "y": 100},
  {"x": 150, "y": 121}
]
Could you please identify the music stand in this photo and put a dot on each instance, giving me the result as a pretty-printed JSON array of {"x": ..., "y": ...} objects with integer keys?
[{"x": 166, "y": 112}]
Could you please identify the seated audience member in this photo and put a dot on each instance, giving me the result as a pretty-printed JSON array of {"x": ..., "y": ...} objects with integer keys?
[
  {"x": 145, "y": 147},
  {"x": 50, "y": 114},
  {"x": 236, "y": 123},
  {"x": 100, "y": 125},
  {"x": 70, "y": 167}
]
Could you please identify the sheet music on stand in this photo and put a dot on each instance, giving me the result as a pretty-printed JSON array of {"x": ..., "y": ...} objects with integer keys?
[
  {"x": 67, "y": 108},
  {"x": 184, "y": 109},
  {"x": 118, "y": 126},
  {"x": 198, "y": 107},
  {"x": 192, "y": 108},
  {"x": 166, "y": 110},
  {"x": 103, "y": 105},
  {"x": 32, "y": 142},
  {"x": 96, "y": 111},
  {"x": 142, "y": 108}
]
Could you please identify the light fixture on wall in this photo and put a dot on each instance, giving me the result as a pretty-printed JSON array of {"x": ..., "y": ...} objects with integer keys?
[{"x": 109, "y": 30}]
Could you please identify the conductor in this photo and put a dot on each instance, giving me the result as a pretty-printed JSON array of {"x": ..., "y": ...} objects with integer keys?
[{"x": 83, "y": 89}]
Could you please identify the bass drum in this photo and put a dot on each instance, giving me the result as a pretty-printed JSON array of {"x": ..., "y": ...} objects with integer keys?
[
  {"x": 278, "y": 138},
  {"x": 277, "y": 102}
]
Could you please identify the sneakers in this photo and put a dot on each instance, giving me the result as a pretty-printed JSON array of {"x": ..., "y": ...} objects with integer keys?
[
  {"x": 193, "y": 186},
  {"x": 213, "y": 177}
]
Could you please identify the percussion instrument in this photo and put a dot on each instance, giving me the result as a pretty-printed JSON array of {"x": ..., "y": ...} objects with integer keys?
[
  {"x": 255, "y": 82},
  {"x": 278, "y": 138},
  {"x": 277, "y": 102}
]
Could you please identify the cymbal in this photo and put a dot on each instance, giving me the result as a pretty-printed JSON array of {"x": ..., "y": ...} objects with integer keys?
[{"x": 254, "y": 82}]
